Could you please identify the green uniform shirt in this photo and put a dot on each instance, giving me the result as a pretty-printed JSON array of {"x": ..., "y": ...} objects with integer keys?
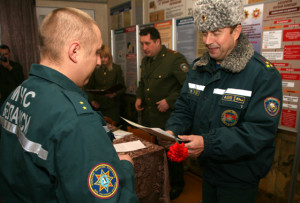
[
  {"x": 53, "y": 147},
  {"x": 161, "y": 78}
]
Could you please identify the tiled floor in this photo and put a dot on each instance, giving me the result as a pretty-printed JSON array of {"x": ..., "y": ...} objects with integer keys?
[{"x": 192, "y": 192}]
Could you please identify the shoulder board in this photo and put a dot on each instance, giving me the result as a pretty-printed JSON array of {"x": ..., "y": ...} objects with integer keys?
[
  {"x": 172, "y": 51},
  {"x": 80, "y": 104},
  {"x": 264, "y": 61}
]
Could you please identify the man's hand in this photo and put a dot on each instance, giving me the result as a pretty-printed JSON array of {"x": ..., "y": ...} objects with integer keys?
[
  {"x": 95, "y": 104},
  {"x": 195, "y": 144},
  {"x": 126, "y": 157},
  {"x": 162, "y": 105},
  {"x": 170, "y": 132},
  {"x": 138, "y": 104}
]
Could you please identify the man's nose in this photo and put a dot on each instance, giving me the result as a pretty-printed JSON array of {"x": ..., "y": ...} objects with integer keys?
[{"x": 208, "y": 39}]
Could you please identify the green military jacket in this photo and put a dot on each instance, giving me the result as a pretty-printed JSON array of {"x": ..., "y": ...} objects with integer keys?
[
  {"x": 161, "y": 78},
  {"x": 236, "y": 108},
  {"x": 103, "y": 79},
  {"x": 53, "y": 147}
]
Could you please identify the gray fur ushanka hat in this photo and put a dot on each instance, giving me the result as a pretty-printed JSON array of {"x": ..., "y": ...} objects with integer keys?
[{"x": 211, "y": 15}]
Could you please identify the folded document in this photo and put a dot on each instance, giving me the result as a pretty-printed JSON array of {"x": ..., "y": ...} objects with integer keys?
[{"x": 153, "y": 131}]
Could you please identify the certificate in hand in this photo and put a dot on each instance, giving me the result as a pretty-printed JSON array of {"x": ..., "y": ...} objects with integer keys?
[
  {"x": 112, "y": 89},
  {"x": 153, "y": 131}
]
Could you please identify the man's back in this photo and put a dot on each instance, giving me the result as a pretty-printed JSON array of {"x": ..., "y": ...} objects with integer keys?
[{"x": 48, "y": 131}]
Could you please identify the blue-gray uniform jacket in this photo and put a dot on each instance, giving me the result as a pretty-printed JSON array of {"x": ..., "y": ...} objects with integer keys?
[
  {"x": 53, "y": 147},
  {"x": 236, "y": 108}
]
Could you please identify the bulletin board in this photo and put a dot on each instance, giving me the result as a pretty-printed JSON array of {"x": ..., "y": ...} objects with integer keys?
[
  {"x": 125, "y": 55},
  {"x": 281, "y": 45}
]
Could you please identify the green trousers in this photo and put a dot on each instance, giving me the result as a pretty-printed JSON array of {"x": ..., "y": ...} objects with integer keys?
[{"x": 212, "y": 194}]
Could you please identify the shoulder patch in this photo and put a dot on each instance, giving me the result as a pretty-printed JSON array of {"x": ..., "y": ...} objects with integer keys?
[
  {"x": 80, "y": 104},
  {"x": 272, "y": 106},
  {"x": 103, "y": 181},
  {"x": 184, "y": 67}
]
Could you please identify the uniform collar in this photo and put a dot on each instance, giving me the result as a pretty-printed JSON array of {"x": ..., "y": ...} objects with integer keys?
[
  {"x": 236, "y": 61},
  {"x": 54, "y": 76},
  {"x": 161, "y": 53}
]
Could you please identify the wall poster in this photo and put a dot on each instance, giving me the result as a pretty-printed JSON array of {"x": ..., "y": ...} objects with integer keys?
[
  {"x": 125, "y": 56},
  {"x": 121, "y": 16},
  {"x": 281, "y": 45},
  {"x": 165, "y": 31},
  {"x": 186, "y": 36},
  {"x": 252, "y": 25},
  {"x": 165, "y": 10}
]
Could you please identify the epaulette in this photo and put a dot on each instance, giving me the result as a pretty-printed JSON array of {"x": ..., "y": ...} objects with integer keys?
[
  {"x": 265, "y": 62},
  {"x": 80, "y": 104},
  {"x": 172, "y": 51}
]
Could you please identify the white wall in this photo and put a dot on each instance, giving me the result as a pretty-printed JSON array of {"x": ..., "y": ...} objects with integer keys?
[{"x": 101, "y": 13}]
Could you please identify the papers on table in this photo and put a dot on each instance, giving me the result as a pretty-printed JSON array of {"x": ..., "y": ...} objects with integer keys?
[
  {"x": 120, "y": 133},
  {"x": 154, "y": 131},
  {"x": 129, "y": 146}
]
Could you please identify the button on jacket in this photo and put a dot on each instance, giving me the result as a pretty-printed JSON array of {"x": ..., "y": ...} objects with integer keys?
[
  {"x": 161, "y": 78},
  {"x": 236, "y": 108},
  {"x": 51, "y": 141}
]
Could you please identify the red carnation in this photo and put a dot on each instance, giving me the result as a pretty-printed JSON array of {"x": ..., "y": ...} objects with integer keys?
[{"x": 178, "y": 152}]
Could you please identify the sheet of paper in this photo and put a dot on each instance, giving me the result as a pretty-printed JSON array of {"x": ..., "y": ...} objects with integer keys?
[
  {"x": 121, "y": 133},
  {"x": 129, "y": 146},
  {"x": 154, "y": 131}
]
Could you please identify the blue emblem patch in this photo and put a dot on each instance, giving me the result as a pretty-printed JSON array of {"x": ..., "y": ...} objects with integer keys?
[
  {"x": 103, "y": 181},
  {"x": 272, "y": 106},
  {"x": 229, "y": 117}
]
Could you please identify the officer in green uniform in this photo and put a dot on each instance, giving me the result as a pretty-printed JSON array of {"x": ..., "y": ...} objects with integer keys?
[
  {"x": 108, "y": 75},
  {"x": 53, "y": 147},
  {"x": 163, "y": 73},
  {"x": 229, "y": 107}
]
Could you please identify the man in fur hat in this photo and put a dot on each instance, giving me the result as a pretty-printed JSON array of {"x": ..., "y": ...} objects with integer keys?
[{"x": 229, "y": 107}]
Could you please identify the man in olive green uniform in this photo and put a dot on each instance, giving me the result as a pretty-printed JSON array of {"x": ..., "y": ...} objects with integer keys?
[
  {"x": 53, "y": 147},
  {"x": 163, "y": 73}
]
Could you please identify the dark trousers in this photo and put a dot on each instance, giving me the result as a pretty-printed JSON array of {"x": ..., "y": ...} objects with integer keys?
[
  {"x": 212, "y": 194},
  {"x": 176, "y": 172}
]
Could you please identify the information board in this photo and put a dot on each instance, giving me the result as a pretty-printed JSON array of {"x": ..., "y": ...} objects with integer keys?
[
  {"x": 281, "y": 45},
  {"x": 125, "y": 56}
]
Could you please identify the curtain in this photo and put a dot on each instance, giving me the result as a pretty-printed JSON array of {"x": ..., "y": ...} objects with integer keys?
[{"x": 19, "y": 30}]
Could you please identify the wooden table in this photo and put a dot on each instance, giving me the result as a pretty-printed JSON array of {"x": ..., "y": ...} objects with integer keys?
[{"x": 151, "y": 171}]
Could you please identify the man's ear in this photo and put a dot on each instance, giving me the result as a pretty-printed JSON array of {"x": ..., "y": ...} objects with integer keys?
[
  {"x": 237, "y": 31},
  {"x": 74, "y": 51}
]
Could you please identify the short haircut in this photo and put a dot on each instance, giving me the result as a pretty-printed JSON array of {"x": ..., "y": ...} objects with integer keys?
[
  {"x": 4, "y": 46},
  {"x": 61, "y": 27},
  {"x": 154, "y": 34}
]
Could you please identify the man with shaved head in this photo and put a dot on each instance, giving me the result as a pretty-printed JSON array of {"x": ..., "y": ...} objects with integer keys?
[{"x": 53, "y": 147}]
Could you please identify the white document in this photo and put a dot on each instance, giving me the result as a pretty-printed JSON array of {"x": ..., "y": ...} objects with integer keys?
[
  {"x": 121, "y": 133},
  {"x": 129, "y": 146},
  {"x": 154, "y": 131}
]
